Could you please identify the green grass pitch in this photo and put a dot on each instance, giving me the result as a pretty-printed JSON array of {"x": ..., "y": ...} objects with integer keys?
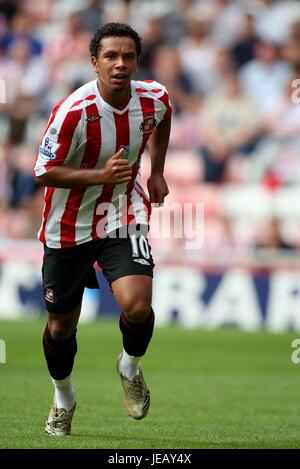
[{"x": 210, "y": 389}]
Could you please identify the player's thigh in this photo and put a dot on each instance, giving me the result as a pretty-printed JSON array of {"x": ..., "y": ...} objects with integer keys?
[
  {"x": 126, "y": 252},
  {"x": 66, "y": 272},
  {"x": 127, "y": 264}
]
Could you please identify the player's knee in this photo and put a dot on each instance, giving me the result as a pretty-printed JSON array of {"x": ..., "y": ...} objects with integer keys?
[
  {"x": 137, "y": 311},
  {"x": 59, "y": 332}
]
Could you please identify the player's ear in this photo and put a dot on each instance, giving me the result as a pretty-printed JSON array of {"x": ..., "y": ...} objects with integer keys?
[{"x": 95, "y": 64}]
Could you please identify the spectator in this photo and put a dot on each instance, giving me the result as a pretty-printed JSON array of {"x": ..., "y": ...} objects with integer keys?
[
  {"x": 265, "y": 77},
  {"x": 22, "y": 27},
  {"x": 227, "y": 127},
  {"x": 198, "y": 55},
  {"x": 226, "y": 17},
  {"x": 273, "y": 18},
  {"x": 91, "y": 17},
  {"x": 153, "y": 39},
  {"x": 26, "y": 79},
  {"x": 277, "y": 156},
  {"x": 272, "y": 237},
  {"x": 8, "y": 9},
  {"x": 72, "y": 73},
  {"x": 5, "y": 183},
  {"x": 244, "y": 45},
  {"x": 175, "y": 22},
  {"x": 61, "y": 47},
  {"x": 23, "y": 185},
  {"x": 291, "y": 51},
  {"x": 167, "y": 69}
]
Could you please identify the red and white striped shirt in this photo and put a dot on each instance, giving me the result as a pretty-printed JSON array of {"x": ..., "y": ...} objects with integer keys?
[{"x": 84, "y": 132}]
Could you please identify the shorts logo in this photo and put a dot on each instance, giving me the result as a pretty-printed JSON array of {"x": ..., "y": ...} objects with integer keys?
[
  {"x": 148, "y": 125},
  {"x": 49, "y": 148},
  {"x": 49, "y": 295},
  {"x": 141, "y": 261}
]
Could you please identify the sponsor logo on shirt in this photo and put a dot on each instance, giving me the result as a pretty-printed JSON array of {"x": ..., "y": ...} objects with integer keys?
[
  {"x": 94, "y": 118},
  {"x": 53, "y": 131},
  {"x": 49, "y": 148}
]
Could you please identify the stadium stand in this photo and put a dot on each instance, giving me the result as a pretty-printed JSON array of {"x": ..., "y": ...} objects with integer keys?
[{"x": 232, "y": 74}]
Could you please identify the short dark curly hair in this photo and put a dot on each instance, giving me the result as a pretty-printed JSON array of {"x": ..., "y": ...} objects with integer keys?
[{"x": 114, "y": 30}]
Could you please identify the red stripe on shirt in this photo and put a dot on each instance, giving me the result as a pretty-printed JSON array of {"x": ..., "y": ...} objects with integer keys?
[
  {"x": 147, "y": 105},
  {"x": 165, "y": 100},
  {"x": 122, "y": 139},
  {"x": 148, "y": 110},
  {"x": 145, "y": 200},
  {"x": 143, "y": 90},
  {"x": 54, "y": 112},
  {"x": 88, "y": 98},
  {"x": 52, "y": 117},
  {"x": 89, "y": 160},
  {"x": 65, "y": 137},
  {"x": 48, "y": 202},
  {"x": 122, "y": 130}
]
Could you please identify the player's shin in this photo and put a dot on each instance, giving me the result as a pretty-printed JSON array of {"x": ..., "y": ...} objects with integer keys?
[
  {"x": 136, "y": 338},
  {"x": 60, "y": 359}
]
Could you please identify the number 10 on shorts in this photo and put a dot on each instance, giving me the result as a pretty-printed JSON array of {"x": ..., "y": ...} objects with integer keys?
[{"x": 139, "y": 246}]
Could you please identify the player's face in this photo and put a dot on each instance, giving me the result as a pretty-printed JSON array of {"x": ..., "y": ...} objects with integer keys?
[{"x": 116, "y": 62}]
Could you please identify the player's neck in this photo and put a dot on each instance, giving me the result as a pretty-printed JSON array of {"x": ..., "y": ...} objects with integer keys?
[{"x": 115, "y": 98}]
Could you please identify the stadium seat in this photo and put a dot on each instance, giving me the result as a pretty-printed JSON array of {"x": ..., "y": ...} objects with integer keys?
[
  {"x": 286, "y": 203},
  {"x": 252, "y": 202}
]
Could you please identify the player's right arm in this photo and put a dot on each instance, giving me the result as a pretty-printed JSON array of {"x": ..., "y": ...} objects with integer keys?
[
  {"x": 53, "y": 167},
  {"x": 116, "y": 171}
]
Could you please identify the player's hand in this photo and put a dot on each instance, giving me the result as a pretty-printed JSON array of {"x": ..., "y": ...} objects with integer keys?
[
  {"x": 117, "y": 170},
  {"x": 157, "y": 188}
]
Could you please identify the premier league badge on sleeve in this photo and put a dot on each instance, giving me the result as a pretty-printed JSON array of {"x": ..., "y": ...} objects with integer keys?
[{"x": 49, "y": 148}]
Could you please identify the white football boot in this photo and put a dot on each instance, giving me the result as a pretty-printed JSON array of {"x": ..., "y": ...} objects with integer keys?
[
  {"x": 137, "y": 395},
  {"x": 59, "y": 421}
]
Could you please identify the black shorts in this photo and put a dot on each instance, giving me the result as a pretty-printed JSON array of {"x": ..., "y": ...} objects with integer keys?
[{"x": 67, "y": 271}]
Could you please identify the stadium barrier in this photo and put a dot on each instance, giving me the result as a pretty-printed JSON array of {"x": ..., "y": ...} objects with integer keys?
[{"x": 261, "y": 293}]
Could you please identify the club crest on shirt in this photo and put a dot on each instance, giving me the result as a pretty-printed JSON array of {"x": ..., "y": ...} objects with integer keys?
[
  {"x": 49, "y": 148},
  {"x": 148, "y": 125}
]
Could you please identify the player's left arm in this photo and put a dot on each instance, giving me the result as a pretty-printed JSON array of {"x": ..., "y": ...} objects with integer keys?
[{"x": 158, "y": 145}]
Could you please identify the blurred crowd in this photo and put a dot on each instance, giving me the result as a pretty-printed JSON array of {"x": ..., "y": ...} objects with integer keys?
[{"x": 232, "y": 69}]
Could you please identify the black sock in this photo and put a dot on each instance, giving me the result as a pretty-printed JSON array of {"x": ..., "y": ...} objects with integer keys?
[
  {"x": 59, "y": 354},
  {"x": 136, "y": 337}
]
